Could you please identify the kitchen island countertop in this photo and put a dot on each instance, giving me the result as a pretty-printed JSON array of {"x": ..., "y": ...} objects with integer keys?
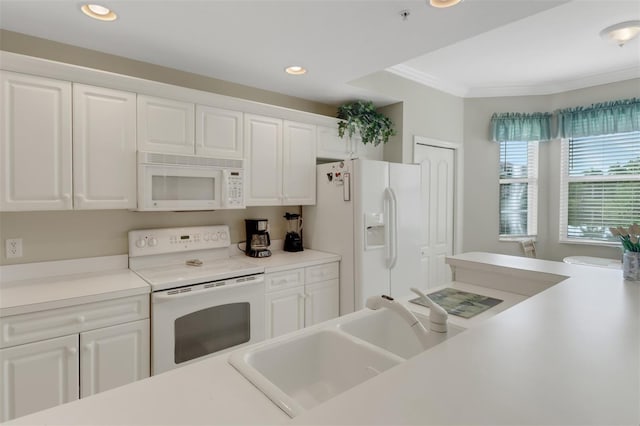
[{"x": 568, "y": 355}]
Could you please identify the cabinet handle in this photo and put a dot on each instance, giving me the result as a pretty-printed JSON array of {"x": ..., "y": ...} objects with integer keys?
[
  {"x": 72, "y": 350},
  {"x": 81, "y": 318}
]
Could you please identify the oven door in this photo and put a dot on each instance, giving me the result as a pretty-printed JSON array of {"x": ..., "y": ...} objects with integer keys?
[
  {"x": 171, "y": 187},
  {"x": 190, "y": 323}
]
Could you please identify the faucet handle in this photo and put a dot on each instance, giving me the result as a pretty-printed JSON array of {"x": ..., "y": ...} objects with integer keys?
[{"x": 438, "y": 315}]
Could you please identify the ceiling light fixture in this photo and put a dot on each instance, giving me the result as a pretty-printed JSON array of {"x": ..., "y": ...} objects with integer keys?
[
  {"x": 444, "y": 3},
  {"x": 99, "y": 12},
  {"x": 622, "y": 32},
  {"x": 295, "y": 70}
]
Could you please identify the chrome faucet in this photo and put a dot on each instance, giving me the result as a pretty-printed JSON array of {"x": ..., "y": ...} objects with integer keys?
[{"x": 384, "y": 301}]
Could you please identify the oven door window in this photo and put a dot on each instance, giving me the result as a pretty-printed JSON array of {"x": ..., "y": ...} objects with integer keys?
[{"x": 210, "y": 330}]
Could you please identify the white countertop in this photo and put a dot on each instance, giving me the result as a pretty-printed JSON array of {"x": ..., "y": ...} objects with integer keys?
[
  {"x": 283, "y": 260},
  {"x": 568, "y": 355},
  {"x": 50, "y": 285}
]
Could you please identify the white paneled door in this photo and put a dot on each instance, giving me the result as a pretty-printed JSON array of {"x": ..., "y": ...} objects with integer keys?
[{"x": 438, "y": 172}]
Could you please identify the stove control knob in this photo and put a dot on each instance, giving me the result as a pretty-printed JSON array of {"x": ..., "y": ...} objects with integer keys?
[
  {"x": 223, "y": 235},
  {"x": 153, "y": 242},
  {"x": 214, "y": 237},
  {"x": 141, "y": 242},
  {"x": 206, "y": 237}
]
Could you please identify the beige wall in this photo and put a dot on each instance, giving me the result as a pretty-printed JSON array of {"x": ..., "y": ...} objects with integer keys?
[
  {"x": 481, "y": 172},
  {"x": 426, "y": 112},
  {"x": 57, "y": 235}
]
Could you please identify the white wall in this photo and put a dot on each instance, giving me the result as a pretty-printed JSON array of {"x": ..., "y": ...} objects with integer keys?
[{"x": 481, "y": 191}]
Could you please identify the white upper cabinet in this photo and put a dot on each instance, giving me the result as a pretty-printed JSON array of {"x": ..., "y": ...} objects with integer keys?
[
  {"x": 331, "y": 146},
  {"x": 280, "y": 162},
  {"x": 165, "y": 125},
  {"x": 263, "y": 160},
  {"x": 104, "y": 148},
  {"x": 35, "y": 143},
  {"x": 218, "y": 132},
  {"x": 299, "y": 164}
]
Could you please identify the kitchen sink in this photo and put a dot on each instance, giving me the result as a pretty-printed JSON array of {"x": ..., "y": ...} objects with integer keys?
[
  {"x": 389, "y": 331},
  {"x": 307, "y": 369},
  {"x": 303, "y": 369}
]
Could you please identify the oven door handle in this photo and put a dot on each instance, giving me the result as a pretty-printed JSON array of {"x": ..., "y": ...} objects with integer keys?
[{"x": 160, "y": 297}]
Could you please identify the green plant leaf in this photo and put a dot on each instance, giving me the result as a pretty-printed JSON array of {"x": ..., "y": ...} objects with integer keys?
[{"x": 362, "y": 117}]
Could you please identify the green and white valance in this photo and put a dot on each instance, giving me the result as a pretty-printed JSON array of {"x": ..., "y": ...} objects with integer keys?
[
  {"x": 521, "y": 127},
  {"x": 605, "y": 118}
]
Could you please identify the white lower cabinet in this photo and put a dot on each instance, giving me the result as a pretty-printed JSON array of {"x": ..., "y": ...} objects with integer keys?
[
  {"x": 39, "y": 375},
  {"x": 301, "y": 297},
  {"x": 51, "y": 357},
  {"x": 113, "y": 356}
]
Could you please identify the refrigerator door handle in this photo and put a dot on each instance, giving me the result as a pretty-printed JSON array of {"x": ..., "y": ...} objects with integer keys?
[{"x": 392, "y": 227}]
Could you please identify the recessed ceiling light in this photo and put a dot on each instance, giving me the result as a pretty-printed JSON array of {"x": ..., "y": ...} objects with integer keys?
[
  {"x": 622, "y": 32},
  {"x": 295, "y": 70},
  {"x": 444, "y": 3},
  {"x": 99, "y": 12}
]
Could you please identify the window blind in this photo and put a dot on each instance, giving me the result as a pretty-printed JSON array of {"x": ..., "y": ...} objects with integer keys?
[
  {"x": 518, "y": 188},
  {"x": 600, "y": 186}
]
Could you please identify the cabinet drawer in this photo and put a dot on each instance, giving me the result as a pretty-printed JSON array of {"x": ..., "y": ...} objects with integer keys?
[
  {"x": 284, "y": 279},
  {"x": 31, "y": 327},
  {"x": 314, "y": 274}
]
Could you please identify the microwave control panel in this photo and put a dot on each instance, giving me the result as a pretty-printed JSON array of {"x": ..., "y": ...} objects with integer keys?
[
  {"x": 234, "y": 189},
  {"x": 171, "y": 240}
]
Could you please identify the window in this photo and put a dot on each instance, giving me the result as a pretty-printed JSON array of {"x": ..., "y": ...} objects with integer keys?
[
  {"x": 600, "y": 186},
  {"x": 518, "y": 189}
]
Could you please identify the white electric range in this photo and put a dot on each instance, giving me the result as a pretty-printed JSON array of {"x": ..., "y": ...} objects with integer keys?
[{"x": 203, "y": 302}]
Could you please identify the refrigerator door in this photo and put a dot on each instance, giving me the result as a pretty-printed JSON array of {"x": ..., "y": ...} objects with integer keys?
[
  {"x": 328, "y": 226},
  {"x": 370, "y": 178},
  {"x": 406, "y": 229}
]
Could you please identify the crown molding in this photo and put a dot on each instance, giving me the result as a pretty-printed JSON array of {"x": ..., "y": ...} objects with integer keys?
[
  {"x": 520, "y": 90},
  {"x": 418, "y": 76}
]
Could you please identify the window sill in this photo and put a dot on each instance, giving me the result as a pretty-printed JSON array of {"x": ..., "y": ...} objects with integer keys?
[
  {"x": 612, "y": 244},
  {"x": 518, "y": 239}
]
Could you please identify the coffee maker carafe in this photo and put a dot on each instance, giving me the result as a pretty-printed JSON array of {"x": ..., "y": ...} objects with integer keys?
[
  {"x": 258, "y": 240},
  {"x": 293, "y": 239}
]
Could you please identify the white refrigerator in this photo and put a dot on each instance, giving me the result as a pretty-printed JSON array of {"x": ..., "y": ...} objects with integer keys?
[{"x": 369, "y": 212}]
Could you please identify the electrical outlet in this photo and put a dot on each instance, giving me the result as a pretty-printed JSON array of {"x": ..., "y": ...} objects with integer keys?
[{"x": 13, "y": 247}]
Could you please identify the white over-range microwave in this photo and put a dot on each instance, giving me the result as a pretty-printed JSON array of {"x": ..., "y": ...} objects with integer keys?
[{"x": 168, "y": 182}]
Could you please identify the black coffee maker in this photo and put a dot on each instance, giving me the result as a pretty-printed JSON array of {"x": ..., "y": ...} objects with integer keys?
[
  {"x": 258, "y": 240},
  {"x": 293, "y": 239}
]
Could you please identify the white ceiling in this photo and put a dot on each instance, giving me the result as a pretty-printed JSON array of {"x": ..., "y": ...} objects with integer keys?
[{"x": 478, "y": 48}]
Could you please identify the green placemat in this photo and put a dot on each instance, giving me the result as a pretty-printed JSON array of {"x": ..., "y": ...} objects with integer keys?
[{"x": 460, "y": 303}]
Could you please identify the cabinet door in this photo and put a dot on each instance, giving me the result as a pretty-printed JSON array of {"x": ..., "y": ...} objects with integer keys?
[
  {"x": 218, "y": 132},
  {"x": 368, "y": 151},
  {"x": 299, "y": 164},
  {"x": 114, "y": 356},
  {"x": 321, "y": 302},
  {"x": 263, "y": 160},
  {"x": 331, "y": 146},
  {"x": 35, "y": 143},
  {"x": 38, "y": 375},
  {"x": 284, "y": 311},
  {"x": 104, "y": 148},
  {"x": 165, "y": 125}
]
